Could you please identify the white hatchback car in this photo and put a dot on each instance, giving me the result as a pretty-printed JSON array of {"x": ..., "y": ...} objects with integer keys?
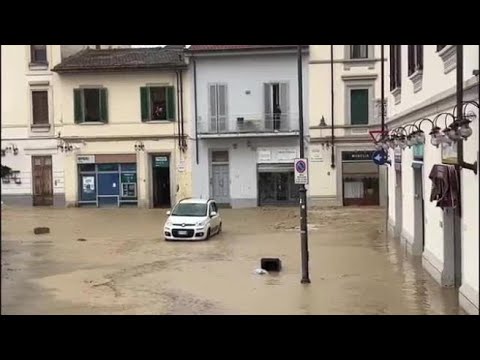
[{"x": 193, "y": 219}]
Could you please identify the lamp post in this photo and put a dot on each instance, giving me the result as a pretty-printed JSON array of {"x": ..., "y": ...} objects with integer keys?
[{"x": 302, "y": 190}]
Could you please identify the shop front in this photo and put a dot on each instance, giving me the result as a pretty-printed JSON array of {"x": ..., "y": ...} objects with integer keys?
[
  {"x": 360, "y": 179},
  {"x": 107, "y": 180},
  {"x": 275, "y": 175}
]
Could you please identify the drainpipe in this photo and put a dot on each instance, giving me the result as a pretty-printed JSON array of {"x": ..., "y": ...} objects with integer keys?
[
  {"x": 382, "y": 59},
  {"x": 195, "y": 104},
  {"x": 181, "y": 112},
  {"x": 457, "y": 233},
  {"x": 178, "y": 111},
  {"x": 332, "y": 165}
]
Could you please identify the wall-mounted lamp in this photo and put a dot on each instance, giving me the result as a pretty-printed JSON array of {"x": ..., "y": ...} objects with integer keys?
[
  {"x": 12, "y": 149},
  {"x": 412, "y": 134},
  {"x": 139, "y": 146},
  {"x": 322, "y": 122}
]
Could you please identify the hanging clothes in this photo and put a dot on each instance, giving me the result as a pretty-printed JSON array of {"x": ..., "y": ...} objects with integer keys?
[{"x": 445, "y": 186}]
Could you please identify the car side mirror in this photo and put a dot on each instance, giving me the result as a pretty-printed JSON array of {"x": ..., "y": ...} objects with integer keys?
[
  {"x": 213, "y": 213},
  {"x": 169, "y": 212}
]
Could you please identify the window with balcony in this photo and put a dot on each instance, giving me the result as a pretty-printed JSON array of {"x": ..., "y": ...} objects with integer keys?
[
  {"x": 38, "y": 54},
  {"x": 157, "y": 103},
  {"x": 217, "y": 107},
  {"x": 40, "y": 118},
  {"x": 90, "y": 105},
  {"x": 276, "y": 106}
]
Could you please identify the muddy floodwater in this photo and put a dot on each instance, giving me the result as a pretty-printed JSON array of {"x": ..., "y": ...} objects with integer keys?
[{"x": 115, "y": 261}]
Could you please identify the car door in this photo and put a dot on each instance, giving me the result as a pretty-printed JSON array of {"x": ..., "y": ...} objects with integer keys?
[{"x": 214, "y": 220}]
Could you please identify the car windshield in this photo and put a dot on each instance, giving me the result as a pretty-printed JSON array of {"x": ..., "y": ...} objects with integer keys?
[{"x": 190, "y": 210}]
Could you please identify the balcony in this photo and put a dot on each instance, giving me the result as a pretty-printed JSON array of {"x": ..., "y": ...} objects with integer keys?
[{"x": 248, "y": 125}]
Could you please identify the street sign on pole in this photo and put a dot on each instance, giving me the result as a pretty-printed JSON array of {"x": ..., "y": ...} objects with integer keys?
[
  {"x": 301, "y": 171},
  {"x": 379, "y": 157}
]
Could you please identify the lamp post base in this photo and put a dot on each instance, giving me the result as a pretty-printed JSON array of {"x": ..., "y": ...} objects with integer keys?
[{"x": 305, "y": 281}]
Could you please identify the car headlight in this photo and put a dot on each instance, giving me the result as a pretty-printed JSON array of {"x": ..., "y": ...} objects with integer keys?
[
  {"x": 201, "y": 223},
  {"x": 168, "y": 223}
]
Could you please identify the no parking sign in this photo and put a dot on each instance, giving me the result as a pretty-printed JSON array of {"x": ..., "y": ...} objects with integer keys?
[{"x": 301, "y": 171}]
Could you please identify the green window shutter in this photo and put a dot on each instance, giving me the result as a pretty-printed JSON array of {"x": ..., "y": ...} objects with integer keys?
[
  {"x": 359, "y": 107},
  {"x": 103, "y": 105},
  {"x": 170, "y": 103},
  {"x": 78, "y": 105},
  {"x": 145, "y": 103}
]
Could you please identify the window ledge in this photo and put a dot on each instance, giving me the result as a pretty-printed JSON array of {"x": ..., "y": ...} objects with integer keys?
[
  {"x": 449, "y": 57},
  {"x": 40, "y": 127},
  {"x": 92, "y": 123},
  {"x": 397, "y": 95},
  {"x": 38, "y": 65},
  {"x": 417, "y": 80},
  {"x": 158, "y": 121},
  {"x": 348, "y": 63}
]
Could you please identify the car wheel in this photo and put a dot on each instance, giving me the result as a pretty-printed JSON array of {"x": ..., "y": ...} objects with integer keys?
[
  {"x": 220, "y": 228},
  {"x": 208, "y": 235}
]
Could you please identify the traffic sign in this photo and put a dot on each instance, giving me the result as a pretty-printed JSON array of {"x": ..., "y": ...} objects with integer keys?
[
  {"x": 301, "y": 171},
  {"x": 379, "y": 157}
]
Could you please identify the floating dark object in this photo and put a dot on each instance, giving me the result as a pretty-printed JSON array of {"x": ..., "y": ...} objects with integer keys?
[
  {"x": 41, "y": 230},
  {"x": 271, "y": 264},
  {"x": 81, "y": 239}
]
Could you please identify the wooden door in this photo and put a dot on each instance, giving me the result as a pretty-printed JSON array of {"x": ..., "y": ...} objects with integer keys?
[{"x": 42, "y": 180}]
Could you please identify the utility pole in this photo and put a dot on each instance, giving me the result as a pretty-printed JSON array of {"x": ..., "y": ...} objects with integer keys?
[
  {"x": 302, "y": 190},
  {"x": 382, "y": 55}
]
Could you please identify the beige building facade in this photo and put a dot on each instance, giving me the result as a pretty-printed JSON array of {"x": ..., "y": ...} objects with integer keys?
[
  {"x": 124, "y": 123},
  {"x": 344, "y": 90}
]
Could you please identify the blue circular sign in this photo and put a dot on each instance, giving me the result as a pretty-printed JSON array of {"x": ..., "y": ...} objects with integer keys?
[
  {"x": 379, "y": 157},
  {"x": 301, "y": 166}
]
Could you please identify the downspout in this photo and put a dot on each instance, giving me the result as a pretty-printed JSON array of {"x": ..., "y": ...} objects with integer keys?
[
  {"x": 332, "y": 165},
  {"x": 178, "y": 112},
  {"x": 457, "y": 221},
  {"x": 183, "y": 141},
  {"x": 382, "y": 59},
  {"x": 195, "y": 104}
]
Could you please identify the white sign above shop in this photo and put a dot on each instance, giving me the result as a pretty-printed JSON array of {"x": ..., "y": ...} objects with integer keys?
[
  {"x": 86, "y": 159},
  {"x": 277, "y": 155}
]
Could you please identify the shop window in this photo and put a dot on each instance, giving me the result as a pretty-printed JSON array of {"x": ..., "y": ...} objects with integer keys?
[
  {"x": 86, "y": 167},
  {"x": 128, "y": 167},
  {"x": 107, "y": 167}
]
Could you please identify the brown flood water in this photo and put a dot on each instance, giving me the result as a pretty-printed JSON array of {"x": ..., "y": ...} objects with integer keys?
[{"x": 125, "y": 267}]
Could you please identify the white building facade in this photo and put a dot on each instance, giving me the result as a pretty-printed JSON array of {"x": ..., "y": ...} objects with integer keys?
[
  {"x": 247, "y": 122},
  {"x": 345, "y": 93},
  {"x": 423, "y": 86}
]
